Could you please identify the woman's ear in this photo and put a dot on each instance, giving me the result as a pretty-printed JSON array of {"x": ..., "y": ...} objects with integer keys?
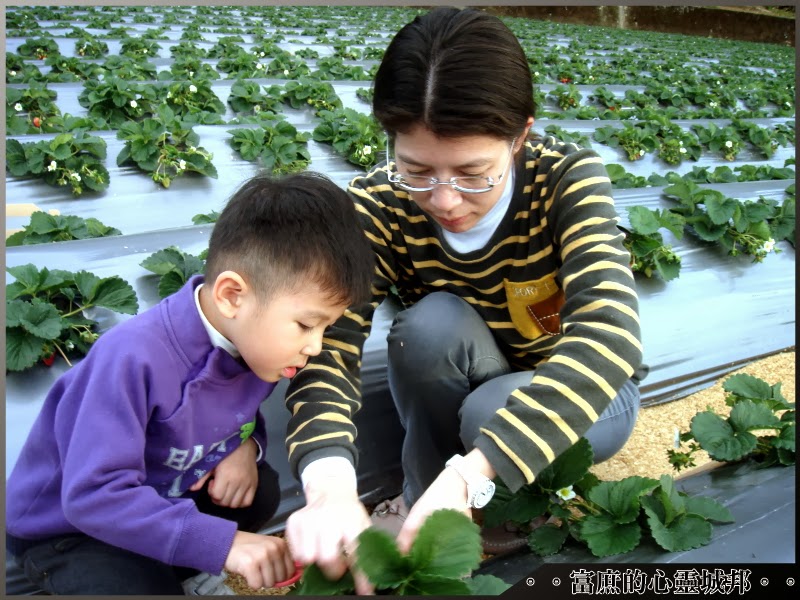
[
  {"x": 228, "y": 293},
  {"x": 520, "y": 141}
]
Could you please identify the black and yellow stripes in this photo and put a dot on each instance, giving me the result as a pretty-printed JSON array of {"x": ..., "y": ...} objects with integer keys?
[{"x": 560, "y": 235}]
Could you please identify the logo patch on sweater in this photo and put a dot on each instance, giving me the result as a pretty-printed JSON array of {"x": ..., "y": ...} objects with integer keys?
[{"x": 535, "y": 306}]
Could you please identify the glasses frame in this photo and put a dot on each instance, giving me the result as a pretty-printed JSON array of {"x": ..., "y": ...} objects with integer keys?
[{"x": 398, "y": 179}]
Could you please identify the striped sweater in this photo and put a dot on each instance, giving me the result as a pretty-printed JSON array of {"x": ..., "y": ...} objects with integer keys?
[{"x": 553, "y": 284}]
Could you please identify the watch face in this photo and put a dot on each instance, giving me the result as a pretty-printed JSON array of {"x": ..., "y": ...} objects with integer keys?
[{"x": 482, "y": 496}]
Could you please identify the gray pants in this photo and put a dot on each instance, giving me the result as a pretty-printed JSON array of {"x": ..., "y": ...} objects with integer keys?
[{"x": 448, "y": 377}]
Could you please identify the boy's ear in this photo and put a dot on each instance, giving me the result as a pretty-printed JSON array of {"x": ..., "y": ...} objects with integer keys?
[{"x": 228, "y": 293}]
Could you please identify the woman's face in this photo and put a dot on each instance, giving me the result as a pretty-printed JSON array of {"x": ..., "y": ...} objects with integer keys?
[{"x": 420, "y": 152}]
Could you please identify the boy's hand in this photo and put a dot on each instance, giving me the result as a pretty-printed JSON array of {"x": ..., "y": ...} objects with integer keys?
[
  {"x": 235, "y": 479},
  {"x": 263, "y": 560},
  {"x": 325, "y": 531}
]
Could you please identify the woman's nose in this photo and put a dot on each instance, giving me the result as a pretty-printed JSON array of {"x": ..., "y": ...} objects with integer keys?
[{"x": 445, "y": 198}]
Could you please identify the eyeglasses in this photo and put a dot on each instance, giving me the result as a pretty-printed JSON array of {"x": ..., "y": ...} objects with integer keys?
[{"x": 467, "y": 184}]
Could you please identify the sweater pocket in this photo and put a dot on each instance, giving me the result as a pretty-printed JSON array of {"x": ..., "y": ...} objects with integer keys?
[{"x": 535, "y": 306}]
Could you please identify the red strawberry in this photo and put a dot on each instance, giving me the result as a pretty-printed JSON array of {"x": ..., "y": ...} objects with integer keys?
[
  {"x": 37, "y": 122},
  {"x": 48, "y": 360},
  {"x": 565, "y": 80}
]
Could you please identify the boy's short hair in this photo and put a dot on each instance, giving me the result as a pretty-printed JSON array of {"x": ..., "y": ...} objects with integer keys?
[{"x": 278, "y": 233}]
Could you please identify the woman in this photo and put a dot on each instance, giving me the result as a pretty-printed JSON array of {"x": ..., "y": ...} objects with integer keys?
[{"x": 520, "y": 332}]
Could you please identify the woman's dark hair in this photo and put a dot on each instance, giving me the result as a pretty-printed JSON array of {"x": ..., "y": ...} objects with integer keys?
[
  {"x": 457, "y": 72},
  {"x": 279, "y": 233}
]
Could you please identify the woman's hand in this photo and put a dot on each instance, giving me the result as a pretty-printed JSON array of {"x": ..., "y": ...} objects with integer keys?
[
  {"x": 448, "y": 490},
  {"x": 325, "y": 531}
]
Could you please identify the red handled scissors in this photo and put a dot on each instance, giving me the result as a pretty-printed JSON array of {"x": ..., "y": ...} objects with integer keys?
[{"x": 298, "y": 572}]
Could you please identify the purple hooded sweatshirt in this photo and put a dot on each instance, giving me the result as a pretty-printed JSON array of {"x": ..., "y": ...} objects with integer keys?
[{"x": 122, "y": 435}]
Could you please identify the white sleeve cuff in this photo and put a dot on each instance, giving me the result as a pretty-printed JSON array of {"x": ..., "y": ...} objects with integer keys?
[
  {"x": 330, "y": 466},
  {"x": 260, "y": 451}
]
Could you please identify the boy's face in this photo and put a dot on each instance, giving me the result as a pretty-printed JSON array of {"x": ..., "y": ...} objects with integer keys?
[{"x": 276, "y": 338}]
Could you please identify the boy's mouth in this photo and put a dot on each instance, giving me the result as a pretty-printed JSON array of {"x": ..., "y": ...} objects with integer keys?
[{"x": 289, "y": 372}]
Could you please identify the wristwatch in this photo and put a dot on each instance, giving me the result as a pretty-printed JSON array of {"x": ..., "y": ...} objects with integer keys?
[{"x": 480, "y": 488}]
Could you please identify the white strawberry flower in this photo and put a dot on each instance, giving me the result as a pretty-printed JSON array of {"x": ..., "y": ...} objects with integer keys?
[
  {"x": 144, "y": 50},
  {"x": 262, "y": 54},
  {"x": 192, "y": 89},
  {"x": 191, "y": 73},
  {"x": 75, "y": 176},
  {"x": 769, "y": 245},
  {"x": 182, "y": 165},
  {"x": 52, "y": 166},
  {"x": 257, "y": 108},
  {"x": 134, "y": 104},
  {"x": 566, "y": 493},
  {"x": 14, "y": 74},
  {"x": 712, "y": 104},
  {"x": 536, "y": 73},
  {"x": 729, "y": 144},
  {"x": 18, "y": 107},
  {"x": 259, "y": 66},
  {"x": 286, "y": 71},
  {"x": 641, "y": 152},
  {"x": 367, "y": 150}
]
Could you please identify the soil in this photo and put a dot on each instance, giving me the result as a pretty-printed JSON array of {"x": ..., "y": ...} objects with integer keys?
[{"x": 645, "y": 453}]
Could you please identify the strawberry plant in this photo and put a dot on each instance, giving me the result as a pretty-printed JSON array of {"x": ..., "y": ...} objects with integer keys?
[
  {"x": 118, "y": 100},
  {"x": 193, "y": 97},
  {"x": 760, "y": 426},
  {"x": 46, "y": 312},
  {"x": 174, "y": 268},
  {"x": 649, "y": 254},
  {"x": 333, "y": 68},
  {"x": 568, "y": 136},
  {"x": 279, "y": 148},
  {"x": 766, "y": 140},
  {"x": 205, "y": 218},
  {"x": 242, "y": 66},
  {"x": 139, "y": 47},
  {"x": 674, "y": 150},
  {"x": 125, "y": 67},
  {"x": 307, "y": 91},
  {"x": 248, "y": 97},
  {"x": 63, "y": 68},
  {"x": 191, "y": 67},
  {"x": 621, "y": 179},
  {"x": 355, "y": 136},
  {"x": 636, "y": 140},
  {"x": 29, "y": 103},
  {"x": 165, "y": 147},
  {"x": 44, "y": 228},
  {"x": 739, "y": 227},
  {"x": 38, "y": 48},
  {"x": 724, "y": 140},
  {"x": 226, "y": 47},
  {"x": 287, "y": 66},
  {"x": 90, "y": 47},
  {"x": 609, "y": 517},
  {"x": 446, "y": 551},
  {"x": 73, "y": 159},
  {"x": 186, "y": 51},
  {"x": 566, "y": 96}
]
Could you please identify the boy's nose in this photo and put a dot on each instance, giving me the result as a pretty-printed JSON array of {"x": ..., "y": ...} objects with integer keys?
[{"x": 314, "y": 347}]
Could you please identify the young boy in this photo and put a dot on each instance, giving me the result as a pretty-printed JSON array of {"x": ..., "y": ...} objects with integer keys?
[{"x": 147, "y": 456}]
